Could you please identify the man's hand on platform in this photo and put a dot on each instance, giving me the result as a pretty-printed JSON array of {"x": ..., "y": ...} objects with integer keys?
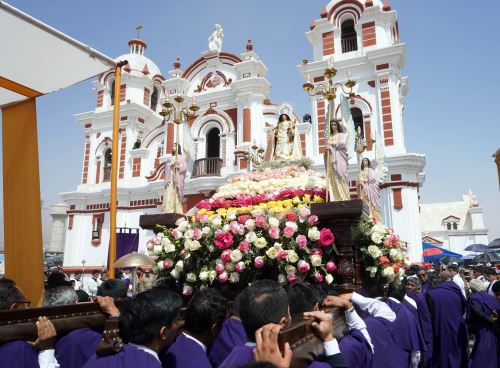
[
  {"x": 267, "y": 349},
  {"x": 336, "y": 301},
  {"x": 108, "y": 306},
  {"x": 46, "y": 334},
  {"x": 324, "y": 328}
]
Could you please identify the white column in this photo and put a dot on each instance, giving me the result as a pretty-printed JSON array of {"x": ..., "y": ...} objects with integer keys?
[{"x": 58, "y": 213}]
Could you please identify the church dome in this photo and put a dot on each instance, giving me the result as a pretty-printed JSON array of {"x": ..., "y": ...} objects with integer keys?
[{"x": 138, "y": 64}]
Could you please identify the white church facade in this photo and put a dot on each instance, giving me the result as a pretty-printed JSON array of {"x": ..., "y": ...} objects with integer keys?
[{"x": 235, "y": 114}]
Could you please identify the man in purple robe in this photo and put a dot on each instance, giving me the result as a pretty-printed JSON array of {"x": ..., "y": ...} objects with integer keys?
[
  {"x": 148, "y": 324},
  {"x": 422, "y": 276},
  {"x": 205, "y": 313},
  {"x": 20, "y": 354},
  {"x": 447, "y": 308},
  {"x": 266, "y": 302},
  {"x": 413, "y": 286},
  {"x": 481, "y": 310}
]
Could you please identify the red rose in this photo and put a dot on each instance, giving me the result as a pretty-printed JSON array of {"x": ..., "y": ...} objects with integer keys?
[
  {"x": 395, "y": 267},
  {"x": 291, "y": 216},
  {"x": 317, "y": 251},
  {"x": 325, "y": 238},
  {"x": 383, "y": 261},
  {"x": 243, "y": 219},
  {"x": 223, "y": 240}
]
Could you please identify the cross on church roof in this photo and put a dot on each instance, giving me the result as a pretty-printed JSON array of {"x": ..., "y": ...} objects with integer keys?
[{"x": 138, "y": 28}]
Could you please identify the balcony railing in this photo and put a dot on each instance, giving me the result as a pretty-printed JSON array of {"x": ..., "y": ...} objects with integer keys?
[
  {"x": 349, "y": 44},
  {"x": 106, "y": 174},
  {"x": 207, "y": 167}
]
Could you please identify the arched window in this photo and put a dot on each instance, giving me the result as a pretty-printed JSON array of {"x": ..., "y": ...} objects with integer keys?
[
  {"x": 348, "y": 36},
  {"x": 112, "y": 91},
  {"x": 357, "y": 117},
  {"x": 455, "y": 226},
  {"x": 213, "y": 143},
  {"x": 154, "y": 99},
  {"x": 107, "y": 166},
  {"x": 448, "y": 226}
]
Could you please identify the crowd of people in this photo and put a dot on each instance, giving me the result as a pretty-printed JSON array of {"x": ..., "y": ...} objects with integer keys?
[{"x": 426, "y": 320}]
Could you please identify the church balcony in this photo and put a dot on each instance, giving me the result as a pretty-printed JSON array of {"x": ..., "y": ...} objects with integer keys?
[
  {"x": 106, "y": 174},
  {"x": 349, "y": 44},
  {"x": 207, "y": 167}
]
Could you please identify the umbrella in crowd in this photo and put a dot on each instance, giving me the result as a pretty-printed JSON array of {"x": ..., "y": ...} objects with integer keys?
[
  {"x": 494, "y": 244},
  {"x": 477, "y": 248},
  {"x": 487, "y": 257},
  {"x": 433, "y": 253}
]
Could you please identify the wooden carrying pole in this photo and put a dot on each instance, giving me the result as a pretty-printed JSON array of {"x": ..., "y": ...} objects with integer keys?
[{"x": 114, "y": 170}]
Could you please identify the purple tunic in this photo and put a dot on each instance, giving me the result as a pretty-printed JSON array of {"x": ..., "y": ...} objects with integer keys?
[
  {"x": 485, "y": 353},
  {"x": 185, "y": 353},
  {"x": 383, "y": 345},
  {"x": 356, "y": 350},
  {"x": 129, "y": 357},
  {"x": 448, "y": 326},
  {"x": 424, "y": 318},
  {"x": 406, "y": 332},
  {"x": 18, "y": 354},
  {"x": 74, "y": 349},
  {"x": 232, "y": 335}
]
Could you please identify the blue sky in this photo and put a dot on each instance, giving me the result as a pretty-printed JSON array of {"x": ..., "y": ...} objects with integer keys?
[{"x": 452, "y": 65}]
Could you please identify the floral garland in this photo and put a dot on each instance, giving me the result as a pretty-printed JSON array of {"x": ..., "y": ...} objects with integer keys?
[
  {"x": 280, "y": 173},
  {"x": 231, "y": 248},
  {"x": 384, "y": 252}
]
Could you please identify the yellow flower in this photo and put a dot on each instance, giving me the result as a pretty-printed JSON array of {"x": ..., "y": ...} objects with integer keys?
[
  {"x": 210, "y": 213},
  {"x": 296, "y": 200},
  {"x": 318, "y": 199},
  {"x": 307, "y": 198}
]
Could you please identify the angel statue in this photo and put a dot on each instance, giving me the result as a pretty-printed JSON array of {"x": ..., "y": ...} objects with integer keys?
[
  {"x": 284, "y": 140},
  {"x": 369, "y": 181},
  {"x": 339, "y": 147},
  {"x": 215, "y": 39},
  {"x": 360, "y": 145}
]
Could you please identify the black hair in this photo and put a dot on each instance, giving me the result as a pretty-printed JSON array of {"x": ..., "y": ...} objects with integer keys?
[
  {"x": 453, "y": 267},
  {"x": 369, "y": 162},
  {"x": 496, "y": 288},
  {"x": 56, "y": 279},
  {"x": 279, "y": 119},
  {"x": 490, "y": 271},
  {"x": 83, "y": 297},
  {"x": 479, "y": 269},
  {"x": 9, "y": 294},
  {"x": 147, "y": 313},
  {"x": 397, "y": 290},
  {"x": 95, "y": 271},
  {"x": 340, "y": 129},
  {"x": 205, "y": 309},
  {"x": 117, "y": 289},
  {"x": 433, "y": 280},
  {"x": 302, "y": 297},
  {"x": 261, "y": 303},
  {"x": 179, "y": 149}
]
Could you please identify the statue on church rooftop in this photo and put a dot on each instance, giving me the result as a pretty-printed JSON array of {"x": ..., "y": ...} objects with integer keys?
[
  {"x": 284, "y": 140},
  {"x": 215, "y": 39}
]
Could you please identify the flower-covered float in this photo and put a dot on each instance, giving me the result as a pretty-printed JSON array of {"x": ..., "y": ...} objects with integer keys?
[{"x": 257, "y": 225}]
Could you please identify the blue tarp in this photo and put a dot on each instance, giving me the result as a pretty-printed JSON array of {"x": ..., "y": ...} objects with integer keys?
[{"x": 437, "y": 257}]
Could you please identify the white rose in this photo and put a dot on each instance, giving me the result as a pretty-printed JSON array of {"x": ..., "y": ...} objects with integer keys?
[
  {"x": 250, "y": 224},
  {"x": 260, "y": 243},
  {"x": 291, "y": 224},
  {"x": 160, "y": 265},
  {"x": 274, "y": 222},
  {"x": 157, "y": 249},
  {"x": 329, "y": 279},
  {"x": 393, "y": 253},
  {"x": 388, "y": 272},
  {"x": 292, "y": 256},
  {"x": 282, "y": 279},
  {"x": 217, "y": 222},
  {"x": 316, "y": 260},
  {"x": 191, "y": 277},
  {"x": 189, "y": 234},
  {"x": 203, "y": 276},
  {"x": 290, "y": 270},
  {"x": 407, "y": 262},
  {"x": 379, "y": 228},
  {"x": 179, "y": 266},
  {"x": 236, "y": 255},
  {"x": 194, "y": 245},
  {"x": 374, "y": 251},
  {"x": 231, "y": 215},
  {"x": 251, "y": 237},
  {"x": 272, "y": 252},
  {"x": 377, "y": 238},
  {"x": 212, "y": 275},
  {"x": 175, "y": 274},
  {"x": 165, "y": 241},
  {"x": 234, "y": 277},
  {"x": 206, "y": 230},
  {"x": 313, "y": 233},
  {"x": 168, "y": 247},
  {"x": 229, "y": 266},
  {"x": 226, "y": 228}
]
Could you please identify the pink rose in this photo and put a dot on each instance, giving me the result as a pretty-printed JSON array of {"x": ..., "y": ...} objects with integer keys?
[
  {"x": 223, "y": 277},
  {"x": 301, "y": 241},
  {"x": 167, "y": 263},
  {"x": 312, "y": 220},
  {"x": 318, "y": 277},
  {"x": 219, "y": 268},
  {"x": 282, "y": 254},
  {"x": 197, "y": 233},
  {"x": 317, "y": 251},
  {"x": 304, "y": 212},
  {"x": 331, "y": 267},
  {"x": 182, "y": 253},
  {"x": 260, "y": 221},
  {"x": 203, "y": 218},
  {"x": 234, "y": 227},
  {"x": 274, "y": 232},
  {"x": 150, "y": 245},
  {"x": 242, "y": 219},
  {"x": 244, "y": 247},
  {"x": 239, "y": 267},
  {"x": 176, "y": 234},
  {"x": 259, "y": 262},
  {"x": 157, "y": 240},
  {"x": 226, "y": 256},
  {"x": 325, "y": 237},
  {"x": 223, "y": 240},
  {"x": 291, "y": 216},
  {"x": 292, "y": 279},
  {"x": 288, "y": 232},
  {"x": 303, "y": 266},
  {"x": 187, "y": 290}
]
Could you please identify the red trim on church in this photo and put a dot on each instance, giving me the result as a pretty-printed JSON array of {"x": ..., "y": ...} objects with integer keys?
[
  {"x": 385, "y": 97},
  {"x": 147, "y": 94},
  {"x": 136, "y": 167},
  {"x": 369, "y": 34},
  {"x": 86, "y": 162},
  {"x": 100, "y": 98},
  {"x": 320, "y": 106},
  {"x": 328, "y": 44}
]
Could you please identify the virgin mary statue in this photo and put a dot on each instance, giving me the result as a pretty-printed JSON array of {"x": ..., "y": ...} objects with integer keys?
[
  {"x": 175, "y": 174},
  {"x": 284, "y": 141}
]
